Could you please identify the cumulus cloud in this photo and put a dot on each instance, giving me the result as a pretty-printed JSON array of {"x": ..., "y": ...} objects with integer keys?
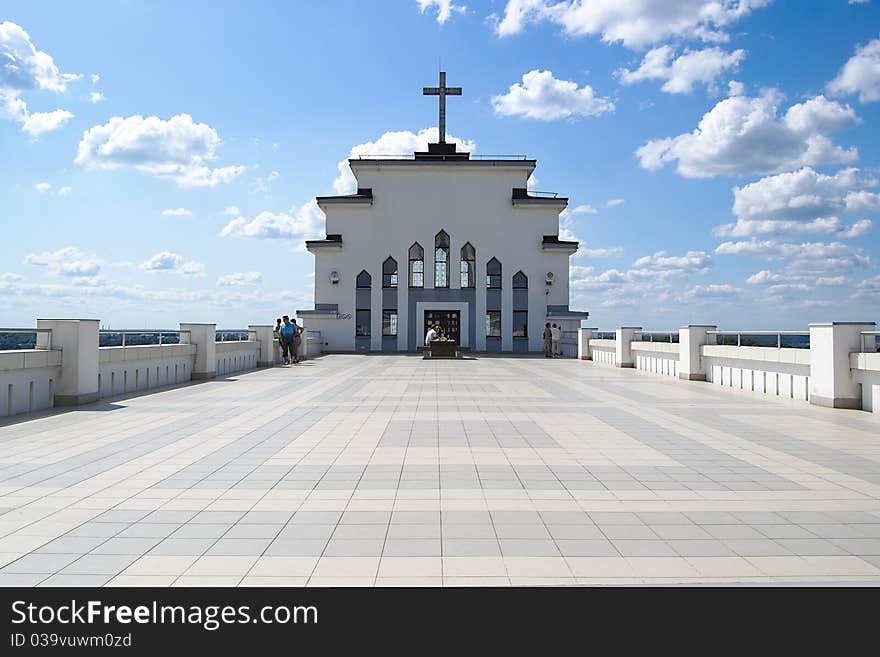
[
  {"x": 66, "y": 261},
  {"x": 302, "y": 223},
  {"x": 444, "y": 8},
  {"x": 167, "y": 261},
  {"x": 802, "y": 257},
  {"x": 399, "y": 142},
  {"x": 240, "y": 279},
  {"x": 742, "y": 135},
  {"x": 42, "y": 187},
  {"x": 763, "y": 277},
  {"x": 177, "y": 149},
  {"x": 712, "y": 291},
  {"x": 802, "y": 201},
  {"x": 860, "y": 75},
  {"x": 614, "y": 202},
  {"x": 176, "y": 212},
  {"x": 690, "y": 262},
  {"x": 681, "y": 73},
  {"x": 541, "y": 96},
  {"x": 64, "y": 191},
  {"x": 634, "y": 23},
  {"x": 25, "y": 69},
  {"x": 96, "y": 97}
]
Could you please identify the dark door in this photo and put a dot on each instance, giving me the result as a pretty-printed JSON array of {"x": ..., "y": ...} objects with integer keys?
[{"x": 448, "y": 321}]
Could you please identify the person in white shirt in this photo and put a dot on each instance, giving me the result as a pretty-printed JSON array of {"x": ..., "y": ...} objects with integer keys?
[
  {"x": 556, "y": 339},
  {"x": 431, "y": 336}
]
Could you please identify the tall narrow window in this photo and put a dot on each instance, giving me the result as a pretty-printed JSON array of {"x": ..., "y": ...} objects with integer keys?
[
  {"x": 362, "y": 323},
  {"x": 389, "y": 322},
  {"x": 389, "y": 272},
  {"x": 520, "y": 324},
  {"x": 468, "y": 266},
  {"x": 441, "y": 259},
  {"x": 416, "y": 266},
  {"x": 520, "y": 281},
  {"x": 364, "y": 279},
  {"x": 493, "y": 324},
  {"x": 493, "y": 274}
]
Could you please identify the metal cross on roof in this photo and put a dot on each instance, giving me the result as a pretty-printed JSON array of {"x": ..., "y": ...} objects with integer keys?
[{"x": 442, "y": 91}]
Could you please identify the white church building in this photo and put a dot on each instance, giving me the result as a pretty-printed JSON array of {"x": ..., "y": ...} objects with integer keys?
[{"x": 440, "y": 237}]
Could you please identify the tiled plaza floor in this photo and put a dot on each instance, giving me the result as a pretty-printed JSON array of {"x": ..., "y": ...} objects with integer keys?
[{"x": 391, "y": 470}]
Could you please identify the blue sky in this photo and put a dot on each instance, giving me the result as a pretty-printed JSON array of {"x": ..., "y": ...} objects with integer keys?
[{"x": 721, "y": 157}]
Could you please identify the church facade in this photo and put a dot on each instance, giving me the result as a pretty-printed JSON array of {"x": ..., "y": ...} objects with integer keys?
[{"x": 440, "y": 237}]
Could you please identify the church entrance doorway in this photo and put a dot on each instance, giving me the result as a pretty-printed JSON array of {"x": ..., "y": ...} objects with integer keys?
[{"x": 448, "y": 320}]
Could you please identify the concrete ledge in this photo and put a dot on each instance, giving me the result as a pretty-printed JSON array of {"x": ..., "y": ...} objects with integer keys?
[
  {"x": 692, "y": 376},
  {"x": 632, "y": 365},
  {"x": 853, "y": 403},
  {"x": 201, "y": 376},
  {"x": 265, "y": 363},
  {"x": 76, "y": 400}
]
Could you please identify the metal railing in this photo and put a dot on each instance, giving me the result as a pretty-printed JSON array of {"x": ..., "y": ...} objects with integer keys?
[
  {"x": 777, "y": 339},
  {"x": 605, "y": 335},
  {"x": 870, "y": 342},
  {"x": 235, "y": 335},
  {"x": 659, "y": 336},
  {"x": 10, "y": 344},
  {"x": 532, "y": 192},
  {"x": 139, "y": 338}
]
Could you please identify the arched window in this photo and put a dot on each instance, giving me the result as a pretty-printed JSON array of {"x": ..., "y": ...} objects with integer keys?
[
  {"x": 416, "y": 266},
  {"x": 520, "y": 281},
  {"x": 468, "y": 265},
  {"x": 364, "y": 279},
  {"x": 389, "y": 272},
  {"x": 493, "y": 274},
  {"x": 441, "y": 259}
]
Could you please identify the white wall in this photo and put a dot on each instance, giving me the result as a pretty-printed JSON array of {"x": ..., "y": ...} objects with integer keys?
[
  {"x": 604, "y": 351},
  {"x": 27, "y": 380},
  {"x": 766, "y": 370},
  {"x": 656, "y": 357},
  {"x": 128, "y": 369},
  {"x": 237, "y": 356},
  {"x": 412, "y": 203},
  {"x": 866, "y": 372}
]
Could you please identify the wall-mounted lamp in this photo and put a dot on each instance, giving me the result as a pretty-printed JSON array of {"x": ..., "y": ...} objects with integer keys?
[{"x": 334, "y": 277}]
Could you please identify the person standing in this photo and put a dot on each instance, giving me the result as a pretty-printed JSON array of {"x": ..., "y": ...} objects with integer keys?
[
  {"x": 297, "y": 343},
  {"x": 556, "y": 339},
  {"x": 286, "y": 333},
  {"x": 548, "y": 341}
]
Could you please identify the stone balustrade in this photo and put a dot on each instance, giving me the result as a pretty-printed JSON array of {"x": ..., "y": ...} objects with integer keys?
[{"x": 836, "y": 369}]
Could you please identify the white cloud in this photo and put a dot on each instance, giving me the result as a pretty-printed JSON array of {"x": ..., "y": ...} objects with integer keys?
[
  {"x": 240, "y": 279},
  {"x": 802, "y": 201},
  {"x": 25, "y": 69},
  {"x": 305, "y": 222},
  {"x": 96, "y": 97},
  {"x": 42, "y": 187},
  {"x": 445, "y": 8},
  {"x": 176, "y": 212},
  {"x": 166, "y": 261},
  {"x": 635, "y": 23},
  {"x": 712, "y": 291},
  {"x": 64, "y": 191},
  {"x": 40, "y": 123},
  {"x": 541, "y": 96},
  {"x": 691, "y": 261},
  {"x": 861, "y": 74},
  {"x": 399, "y": 142},
  {"x": 262, "y": 184},
  {"x": 614, "y": 202},
  {"x": 682, "y": 72},
  {"x": 578, "y": 209},
  {"x": 763, "y": 277},
  {"x": 806, "y": 256},
  {"x": 177, "y": 149},
  {"x": 67, "y": 261},
  {"x": 831, "y": 281},
  {"x": 606, "y": 252},
  {"x": 95, "y": 78},
  {"x": 231, "y": 211},
  {"x": 745, "y": 135}
]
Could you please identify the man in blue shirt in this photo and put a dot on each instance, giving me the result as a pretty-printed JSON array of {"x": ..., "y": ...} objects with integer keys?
[{"x": 288, "y": 335}]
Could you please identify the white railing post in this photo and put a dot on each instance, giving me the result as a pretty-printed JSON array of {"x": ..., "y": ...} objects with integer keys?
[
  {"x": 625, "y": 335},
  {"x": 204, "y": 337},
  {"x": 691, "y": 340},
  {"x": 78, "y": 340},
  {"x": 584, "y": 337},
  {"x": 831, "y": 380},
  {"x": 266, "y": 337}
]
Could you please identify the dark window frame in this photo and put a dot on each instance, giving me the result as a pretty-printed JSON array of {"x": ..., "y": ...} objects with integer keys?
[
  {"x": 468, "y": 267},
  {"x": 493, "y": 280},
  {"x": 389, "y": 313},
  {"x": 389, "y": 278},
  {"x": 522, "y": 283},
  {"x": 490, "y": 323},
  {"x": 524, "y": 322},
  {"x": 357, "y": 323},
  {"x": 420, "y": 259},
  {"x": 441, "y": 260},
  {"x": 358, "y": 283}
]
